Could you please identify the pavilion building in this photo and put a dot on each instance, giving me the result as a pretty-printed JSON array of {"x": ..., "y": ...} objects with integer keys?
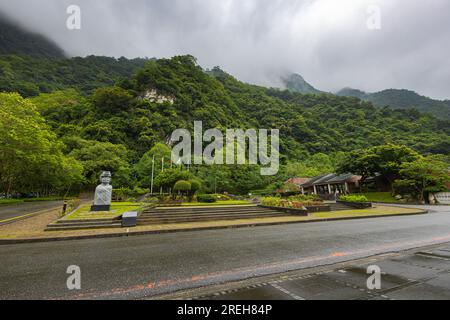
[{"x": 331, "y": 183}]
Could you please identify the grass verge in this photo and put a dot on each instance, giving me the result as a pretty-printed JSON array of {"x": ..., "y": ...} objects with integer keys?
[
  {"x": 10, "y": 201},
  {"x": 117, "y": 209},
  {"x": 16, "y": 201},
  {"x": 385, "y": 197}
]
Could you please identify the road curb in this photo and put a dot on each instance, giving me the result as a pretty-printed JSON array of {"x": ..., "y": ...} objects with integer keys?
[{"x": 149, "y": 232}]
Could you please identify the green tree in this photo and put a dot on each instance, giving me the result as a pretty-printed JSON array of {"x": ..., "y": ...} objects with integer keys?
[
  {"x": 196, "y": 185},
  {"x": 31, "y": 157},
  {"x": 100, "y": 156},
  {"x": 159, "y": 153},
  {"x": 111, "y": 100},
  {"x": 385, "y": 160},
  {"x": 424, "y": 175},
  {"x": 169, "y": 177},
  {"x": 182, "y": 186}
]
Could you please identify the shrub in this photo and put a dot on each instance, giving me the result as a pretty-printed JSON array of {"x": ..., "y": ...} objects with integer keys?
[
  {"x": 354, "y": 198},
  {"x": 271, "y": 201},
  {"x": 182, "y": 185},
  {"x": 283, "y": 203},
  {"x": 195, "y": 185},
  {"x": 306, "y": 198},
  {"x": 222, "y": 197},
  {"x": 297, "y": 205},
  {"x": 206, "y": 198},
  {"x": 126, "y": 194}
]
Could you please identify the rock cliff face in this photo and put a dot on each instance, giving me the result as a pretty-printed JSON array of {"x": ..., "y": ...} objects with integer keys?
[{"x": 153, "y": 96}]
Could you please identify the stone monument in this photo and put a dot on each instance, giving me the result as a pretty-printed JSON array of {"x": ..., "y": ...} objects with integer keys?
[{"x": 103, "y": 193}]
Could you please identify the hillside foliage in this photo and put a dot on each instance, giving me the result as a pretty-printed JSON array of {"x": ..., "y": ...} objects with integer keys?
[{"x": 105, "y": 116}]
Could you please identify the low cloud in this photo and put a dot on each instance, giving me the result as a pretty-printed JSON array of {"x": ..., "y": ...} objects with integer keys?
[{"x": 326, "y": 41}]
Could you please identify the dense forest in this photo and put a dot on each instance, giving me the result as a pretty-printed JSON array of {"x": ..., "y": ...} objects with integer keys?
[
  {"x": 30, "y": 76},
  {"x": 114, "y": 126}
]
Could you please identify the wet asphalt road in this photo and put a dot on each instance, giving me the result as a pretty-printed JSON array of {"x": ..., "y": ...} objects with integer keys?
[
  {"x": 137, "y": 267},
  {"x": 7, "y": 212},
  {"x": 420, "y": 274}
]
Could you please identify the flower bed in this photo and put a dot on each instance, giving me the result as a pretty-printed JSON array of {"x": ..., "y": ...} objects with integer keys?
[{"x": 294, "y": 206}]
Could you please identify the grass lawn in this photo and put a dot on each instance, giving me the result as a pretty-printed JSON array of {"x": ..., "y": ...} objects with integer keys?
[
  {"x": 15, "y": 201},
  {"x": 379, "y": 197},
  {"x": 10, "y": 201},
  {"x": 117, "y": 209},
  {"x": 217, "y": 203},
  {"x": 376, "y": 211}
]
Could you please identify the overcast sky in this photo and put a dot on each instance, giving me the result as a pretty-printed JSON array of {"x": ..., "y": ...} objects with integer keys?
[{"x": 326, "y": 41}]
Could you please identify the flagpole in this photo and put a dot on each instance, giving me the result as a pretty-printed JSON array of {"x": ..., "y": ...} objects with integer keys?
[
  {"x": 153, "y": 174},
  {"x": 162, "y": 170}
]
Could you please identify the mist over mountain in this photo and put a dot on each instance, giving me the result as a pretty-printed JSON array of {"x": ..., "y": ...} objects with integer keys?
[
  {"x": 16, "y": 40},
  {"x": 93, "y": 72}
]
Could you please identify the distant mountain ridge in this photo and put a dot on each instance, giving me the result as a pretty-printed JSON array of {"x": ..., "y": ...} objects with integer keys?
[
  {"x": 16, "y": 40},
  {"x": 295, "y": 82},
  {"x": 401, "y": 99},
  {"x": 21, "y": 51}
]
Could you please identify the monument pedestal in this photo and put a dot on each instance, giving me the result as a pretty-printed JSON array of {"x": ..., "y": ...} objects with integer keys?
[{"x": 97, "y": 208}]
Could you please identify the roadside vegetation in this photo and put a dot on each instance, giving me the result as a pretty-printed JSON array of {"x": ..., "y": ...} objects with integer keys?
[
  {"x": 385, "y": 197},
  {"x": 84, "y": 115}
]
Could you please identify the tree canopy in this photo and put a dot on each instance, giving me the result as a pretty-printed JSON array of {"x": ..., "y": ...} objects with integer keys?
[
  {"x": 31, "y": 157},
  {"x": 100, "y": 113}
]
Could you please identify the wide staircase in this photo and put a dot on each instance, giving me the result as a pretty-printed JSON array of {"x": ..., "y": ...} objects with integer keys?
[
  {"x": 63, "y": 225},
  {"x": 339, "y": 207},
  {"x": 199, "y": 214}
]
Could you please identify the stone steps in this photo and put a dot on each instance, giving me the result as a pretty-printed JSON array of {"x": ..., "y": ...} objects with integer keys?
[
  {"x": 339, "y": 207},
  {"x": 204, "y": 209},
  {"x": 167, "y": 216},
  {"x": 83, "y": 224},
  {"x": 156, "y": 213}
]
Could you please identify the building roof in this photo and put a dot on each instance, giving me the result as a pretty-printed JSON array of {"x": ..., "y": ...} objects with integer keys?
[
  {"x": 331, "y": 178},
  {"x": 298, "y": 181},
  {"x": 317, "y": 180}
]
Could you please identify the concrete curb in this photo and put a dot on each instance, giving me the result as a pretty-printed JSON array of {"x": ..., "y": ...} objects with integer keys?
[{"x": 248, "y": 225}]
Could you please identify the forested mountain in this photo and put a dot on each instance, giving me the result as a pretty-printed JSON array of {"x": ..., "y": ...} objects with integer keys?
[
  {"x": 402, "y": 99},
  {"x": 350, "y": 92},
  {"x": 16, "y": 40},
  {"x": 30, "y": 76},
  {"x": 99, "y": 113},
  {"x": 296, "y": 83},
  {"x": 115, "y": 126}
]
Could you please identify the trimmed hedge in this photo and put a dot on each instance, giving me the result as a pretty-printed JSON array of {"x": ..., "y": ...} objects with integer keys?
[
  {"x": 354, "y": 198},
  {"x": 206, "y": 198}
]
